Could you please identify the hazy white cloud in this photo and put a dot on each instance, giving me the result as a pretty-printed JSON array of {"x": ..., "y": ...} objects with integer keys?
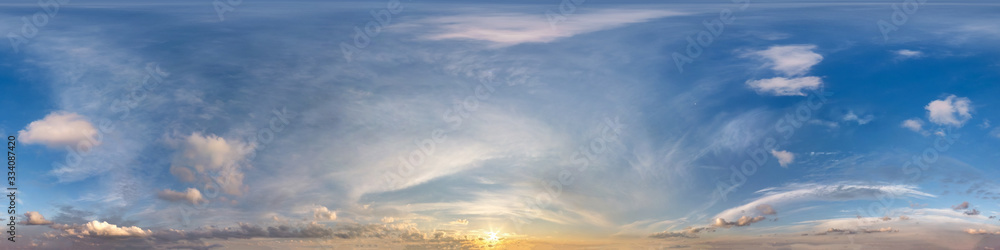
[
  {"x": 951, "y": 111},
  {"x": 35, "y": 218},
  {"x": 780, "y": 86},
  {"x": 505, "y": 29},
  {"x": 323, "y": 213},
  {"x": 915, "y": 125},
  {"x": 850, "y": 116},
  {"x": 459, "y": 222},
  {"x": 905, "y": 53},
  {"x": 784, "y": 157},
  {"x": 191, "y": 195},
  {"x": 59, "y": 129},
  {"x": 790, "y": 60},
  {"x": 210, "y": 155}
]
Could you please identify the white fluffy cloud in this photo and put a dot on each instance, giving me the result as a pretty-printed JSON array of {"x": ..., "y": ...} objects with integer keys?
[
  {"x": 210, "y": 155},
  {"x": 323, "y": 213},
  {"x": 101, "y": 229},
  {"x": 791, "y": 60},
  {"x": 916, "y": 125},
  {"x": 59, "y": 129},
  {"x": 781, "y": 86},
  {"x": 35, "y": 218},
  {"x": 951, "y": 111},
  {"x": 505, "y": 29},
  {"x": 784, "y": 157},
  {"x": 191, "y": 195},
  {"x": 851, "y": 116}
]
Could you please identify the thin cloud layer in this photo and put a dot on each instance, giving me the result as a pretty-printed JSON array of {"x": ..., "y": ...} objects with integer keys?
[
  {"x": 798, "y": 193},
  {"x": 191, "y": 196},
  {"x": 780, "y": 86},
  {"x": 506, "y": 29}
]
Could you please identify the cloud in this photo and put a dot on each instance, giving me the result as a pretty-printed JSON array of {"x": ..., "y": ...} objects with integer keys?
[
  {"x": 459, "y": 222},
  {"x": 780, "y": 86},
  {"x": 35, "y": 218},
  {"x": 850, "y": 231},
  {"x": 951, "y": 111},
  {"x": 981, "y": 231},
  {"x": 689, "y": 232},
  {"x": 790, "y": 60},
  {"x": 191, "y": 195},
  {"x": 766, "y": 209},
  {"x": 59, "y": 129},
  {"x": 850, "y": 116},
  {"x": 322, "y": 213},
  {"x": 963, "y": 206},
  {"x": 905, "y": 53},
  {"x": 101, "y": 229},
  {"x": 741, "y": 222},
  {"x": 972, "y": 212},
  {"x": 388, "y": 220},
  {"x": 210, "y": 155},
  {"x": 797, "y": 193},
  {"x": 506, "y": 29},
  {"x": 915, "y": 125},
  {"x": 784, "y": 157}
]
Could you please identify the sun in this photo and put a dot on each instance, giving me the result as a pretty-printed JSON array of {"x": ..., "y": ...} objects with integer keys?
[{"x": 491, "y": 240}]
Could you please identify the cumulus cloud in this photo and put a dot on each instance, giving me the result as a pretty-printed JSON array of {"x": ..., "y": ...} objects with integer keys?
[
  {"x": 784, "y": 157},
  {"x": 915, "y": 125},
  {"x": 210, "y": 155},
  {"x": 323, "y": 213},
  {"x": 101, "y": 229},
  {"x": 35, "y": 218},
  {"x": 791, "y": 60},
  {"x": 191, "y": 195},
  {"x": 505, "y": 29},
  {"x": 951, "y": 111},
  {"x": 58, "y": 129},
  {"x": 742, "y": 221},
  {"x": 850, "y": 116},
  {"x": 780, "y": 86}
]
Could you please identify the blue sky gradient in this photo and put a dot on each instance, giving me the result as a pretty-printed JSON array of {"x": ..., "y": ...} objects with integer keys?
[{"x": 457, "y": 119}]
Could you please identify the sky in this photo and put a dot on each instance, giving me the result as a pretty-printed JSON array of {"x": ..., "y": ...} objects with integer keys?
[{"x": 249, "y": 124}]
